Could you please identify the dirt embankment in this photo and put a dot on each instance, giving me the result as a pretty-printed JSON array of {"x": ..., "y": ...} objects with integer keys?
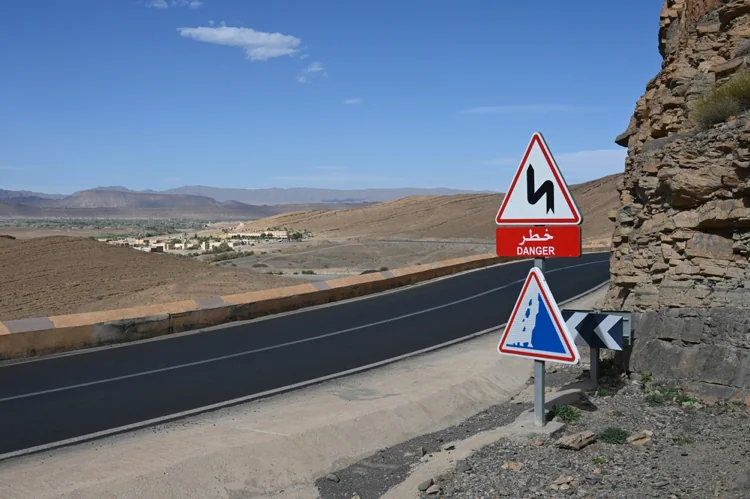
[
  {"x": 466, "y": 216},
  {"x": 59, "y": 275}
]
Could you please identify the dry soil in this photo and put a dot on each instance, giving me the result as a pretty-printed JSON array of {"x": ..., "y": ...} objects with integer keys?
[{"x": 59, "y": 275}]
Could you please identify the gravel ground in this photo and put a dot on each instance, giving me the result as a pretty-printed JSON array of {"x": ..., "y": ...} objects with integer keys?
[
  {"x": 686, "y": 450},
  {"x": 681, "y": 449},
  {"x": 372, "y": 477}
]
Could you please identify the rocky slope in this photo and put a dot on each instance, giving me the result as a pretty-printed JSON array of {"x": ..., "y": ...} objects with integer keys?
[{"x": 682, "y": 232}]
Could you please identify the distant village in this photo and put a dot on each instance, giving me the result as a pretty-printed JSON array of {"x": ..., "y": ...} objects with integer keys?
[{"x": 232, "y": 238}]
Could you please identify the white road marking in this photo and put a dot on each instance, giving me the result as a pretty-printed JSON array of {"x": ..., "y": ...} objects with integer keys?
[
  {"x": 268, "y": 393},
  {"x": 280, "y": 345}
]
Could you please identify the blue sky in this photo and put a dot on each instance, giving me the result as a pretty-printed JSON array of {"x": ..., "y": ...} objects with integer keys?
[{"x": 324, "y": 93}]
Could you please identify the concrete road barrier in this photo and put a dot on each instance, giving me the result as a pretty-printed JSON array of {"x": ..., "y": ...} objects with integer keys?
[{"x": 60, "y": 333}]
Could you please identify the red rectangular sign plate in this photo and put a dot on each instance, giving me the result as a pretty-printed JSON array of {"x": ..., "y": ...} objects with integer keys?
[{"x": 553, "y": 241}]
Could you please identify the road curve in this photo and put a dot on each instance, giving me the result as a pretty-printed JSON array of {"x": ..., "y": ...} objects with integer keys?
[{"x": 58, "y": 398}]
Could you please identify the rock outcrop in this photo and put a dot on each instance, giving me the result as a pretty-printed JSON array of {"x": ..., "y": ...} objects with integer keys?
[{"x": 682, "y": 232}]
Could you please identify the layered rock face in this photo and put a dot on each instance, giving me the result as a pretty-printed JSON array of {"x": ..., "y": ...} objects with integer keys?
[{"x": 682, "y": 232}]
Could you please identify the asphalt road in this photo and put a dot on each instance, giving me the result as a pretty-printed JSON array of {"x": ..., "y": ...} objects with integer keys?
[{"x": 59, "y": 398}]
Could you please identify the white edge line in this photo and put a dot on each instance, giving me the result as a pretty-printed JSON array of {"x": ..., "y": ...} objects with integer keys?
[
  {"x": 267, "y": 393},
  {"x": 276, "y": 346},
  {"x": 301, "y": 310}
]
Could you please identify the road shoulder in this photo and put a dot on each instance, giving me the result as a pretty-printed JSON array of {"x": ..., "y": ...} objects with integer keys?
[{"x": 279, "y": 446}]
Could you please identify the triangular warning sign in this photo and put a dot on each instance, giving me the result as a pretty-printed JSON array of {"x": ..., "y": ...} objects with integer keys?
[
  {"x": 538, "y": 193},
  {"x": 536, "y": 329}
]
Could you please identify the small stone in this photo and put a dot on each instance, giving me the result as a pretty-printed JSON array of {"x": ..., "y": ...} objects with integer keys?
[
  {"x": 421, "y": 452},
  {"x": 356, "y": 496},
  {"x": 564, "y": 486},
  {"x": 577, "y": 441},
  {"x": 449, "y": 447},
  {"x": 435, "y": 489},
  {"x": 425, "y": 485},
  {"x": 538, "y": 443},
  {"x": 598, "y": 470},
  {"x": 409, "y": 454},
  {"x": 594, "y": 478},
  {"x": 333, "y": 478},
  {"x": 660, "y": 484},
  {"x": 563, "y": 479},
  {"x": 510, "y": 465},
  {"x": 641, "y": 439},
  {"x": 462, "y": 466}
]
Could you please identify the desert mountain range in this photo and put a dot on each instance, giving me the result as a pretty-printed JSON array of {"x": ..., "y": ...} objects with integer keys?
[
  {"x": 195, "y": 202},
  {"x": 463, "y": 216},
  {"x": 107, "y": 197}
]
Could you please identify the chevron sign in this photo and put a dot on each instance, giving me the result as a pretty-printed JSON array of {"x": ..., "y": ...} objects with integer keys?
[{"x": 597, "y": 329}]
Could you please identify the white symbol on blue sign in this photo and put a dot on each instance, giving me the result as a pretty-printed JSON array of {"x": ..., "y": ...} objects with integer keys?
[{"x": 536, "y": 329}]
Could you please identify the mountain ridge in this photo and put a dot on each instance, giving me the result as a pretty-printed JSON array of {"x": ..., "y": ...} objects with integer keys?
[{"x": 266, "y": 196}]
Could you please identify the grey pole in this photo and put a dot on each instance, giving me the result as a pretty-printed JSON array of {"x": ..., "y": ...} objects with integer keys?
[
  {"x": 594, "y": 371},
  {"x": 539, "y": 417}
]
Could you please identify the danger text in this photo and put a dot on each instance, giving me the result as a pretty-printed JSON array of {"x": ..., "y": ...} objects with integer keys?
[{"x": 536, "y": 251}]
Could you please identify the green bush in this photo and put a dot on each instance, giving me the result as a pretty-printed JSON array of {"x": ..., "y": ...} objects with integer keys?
[
  {"x": 226, "y": 255},
  {"x": 222, "y": 248},
  {"x": 567, "y": 413},
  {"x": 308, "y": 272},
  {"x": 728, "y": 99},
  {"x": 613, "y": 436}
]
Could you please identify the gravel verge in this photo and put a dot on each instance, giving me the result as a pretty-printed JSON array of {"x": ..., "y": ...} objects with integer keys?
[
  {"x": 649, "y": 441},
  {"x": 637, "y": 439},
  {"x": 372, "y": 477}
]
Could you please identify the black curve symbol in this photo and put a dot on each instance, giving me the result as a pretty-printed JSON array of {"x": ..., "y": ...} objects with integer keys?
[{"x": 547, "y": 189}]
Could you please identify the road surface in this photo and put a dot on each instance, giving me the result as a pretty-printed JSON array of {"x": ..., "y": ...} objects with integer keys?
[{"x": 58, "y": 398}]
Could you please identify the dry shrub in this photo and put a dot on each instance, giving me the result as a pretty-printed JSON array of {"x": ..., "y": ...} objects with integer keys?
[{"x": 722, "y": 102}]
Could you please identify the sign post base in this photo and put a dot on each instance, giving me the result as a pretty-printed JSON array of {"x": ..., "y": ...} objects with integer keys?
[{"x": 540, "y": 419}]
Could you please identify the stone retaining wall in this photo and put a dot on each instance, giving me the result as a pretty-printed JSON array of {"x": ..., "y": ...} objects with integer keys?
[{"x": 705, "y": 350}]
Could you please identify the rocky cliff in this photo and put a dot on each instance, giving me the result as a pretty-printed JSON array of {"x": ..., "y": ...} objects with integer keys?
[{"x": 682, "y": 232}]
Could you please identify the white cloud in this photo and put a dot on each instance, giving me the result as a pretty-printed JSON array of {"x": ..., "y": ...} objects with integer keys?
[
  {"x": 531, "y": 108},
  {"x": 157, "y": 4},
  {"x": 315, "y": 67},
  {"x": 314, "y": 70},
  {"x": 163, "y": 4},
  {"x": 356, "y": 100},
  {"x": 258, "y": 45},
  {"x": 580, "y": 166}
]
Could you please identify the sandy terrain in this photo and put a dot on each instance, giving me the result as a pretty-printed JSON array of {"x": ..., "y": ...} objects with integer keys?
[
  {"x": 349, "y": 257},
  {"x": 467, "y": 217},
  {"x": 58, "y": 275},
  {"x": 30, "y": 232}
]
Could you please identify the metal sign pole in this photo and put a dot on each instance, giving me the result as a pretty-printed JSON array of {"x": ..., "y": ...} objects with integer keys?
[{"x": 539, "y": 371}]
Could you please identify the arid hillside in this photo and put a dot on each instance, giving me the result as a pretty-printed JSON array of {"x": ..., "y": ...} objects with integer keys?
[
  {"x": 465, "y": 216},
  {"x": 59, "y": 275}
]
